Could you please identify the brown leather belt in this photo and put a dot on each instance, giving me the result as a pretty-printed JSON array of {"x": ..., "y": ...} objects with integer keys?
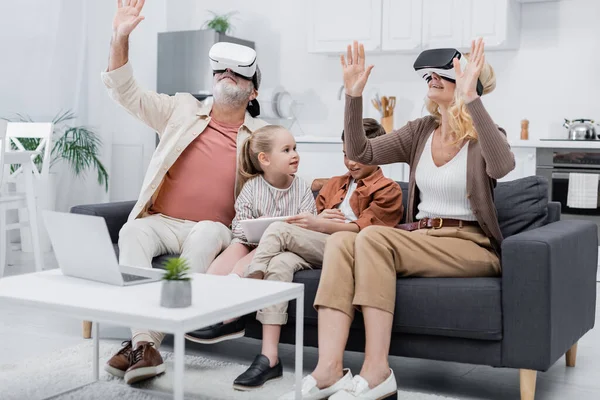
[{"x": 435, "y": 223}]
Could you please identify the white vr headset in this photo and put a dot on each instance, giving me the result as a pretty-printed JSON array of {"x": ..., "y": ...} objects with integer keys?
[
  {"x": 239, "y": 59},
  {"x": 439, "y": 61}
]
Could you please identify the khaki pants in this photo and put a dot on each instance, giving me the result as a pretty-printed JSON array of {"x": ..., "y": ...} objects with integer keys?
[
  {"x": 283, "y": 250},
  {"x": 143, "y": 239},
  {"x": 361, "y": 269}
]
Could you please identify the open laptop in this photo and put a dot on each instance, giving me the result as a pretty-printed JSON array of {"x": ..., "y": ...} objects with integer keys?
[{"x": 83, "y": 249}]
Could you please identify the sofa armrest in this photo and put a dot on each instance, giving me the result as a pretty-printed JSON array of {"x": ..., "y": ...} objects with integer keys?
[
  {"x": 115, "y": 215},
  {"x": 553, "y": 211},
  {"x": 548, "y": 292}
]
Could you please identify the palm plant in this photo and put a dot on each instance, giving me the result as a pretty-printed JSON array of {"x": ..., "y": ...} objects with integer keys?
[
  {"x": 220, "y": 23},
  {"x": 78, "y": 146}
]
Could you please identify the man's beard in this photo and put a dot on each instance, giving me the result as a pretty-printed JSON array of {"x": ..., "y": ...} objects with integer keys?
[{"x": 231, "y": 95}]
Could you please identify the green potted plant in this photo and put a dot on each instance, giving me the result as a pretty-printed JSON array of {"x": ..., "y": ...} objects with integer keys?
[
  {"x": 220, "y": 22},
  {"x": 78, "y": 146},
  {"x": 176, "y": 284}
]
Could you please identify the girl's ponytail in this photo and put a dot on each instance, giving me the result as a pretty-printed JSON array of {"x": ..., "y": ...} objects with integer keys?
[
  {"x": 261, "y": 141},
  {"x": 249, "y": 166}
]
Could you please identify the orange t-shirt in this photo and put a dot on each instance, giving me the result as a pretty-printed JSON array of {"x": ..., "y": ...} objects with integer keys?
[{"x": 200, "y": 185}]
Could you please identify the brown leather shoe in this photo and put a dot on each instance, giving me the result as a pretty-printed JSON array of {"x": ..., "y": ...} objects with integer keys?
[
  {"x": 146, "y": 363},
  {"x": 119, "y": 363}
]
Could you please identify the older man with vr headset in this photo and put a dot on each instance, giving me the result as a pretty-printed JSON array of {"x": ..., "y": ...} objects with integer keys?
[{"x": 186, "y": 203}]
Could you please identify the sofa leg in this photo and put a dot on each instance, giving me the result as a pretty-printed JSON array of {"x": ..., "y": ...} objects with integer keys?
[
  {"x": 87, "y": 329},
  {"x": 571, "y": 356},
  {"x": 528, "y": 378}
]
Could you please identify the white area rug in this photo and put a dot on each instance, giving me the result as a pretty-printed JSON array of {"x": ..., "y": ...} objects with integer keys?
[{"x": 204, "y": 379}]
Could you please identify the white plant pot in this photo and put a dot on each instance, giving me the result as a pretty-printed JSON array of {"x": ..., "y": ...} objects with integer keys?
[
  {"x": 46, "y": 200},
  {"x": 176, "y": 294}
]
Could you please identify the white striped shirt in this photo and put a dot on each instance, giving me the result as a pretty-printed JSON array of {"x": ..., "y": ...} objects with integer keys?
[{"x": 258, "y": 199}]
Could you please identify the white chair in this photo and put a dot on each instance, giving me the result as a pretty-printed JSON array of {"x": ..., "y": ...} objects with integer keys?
[{"x": 10, "y": 133}]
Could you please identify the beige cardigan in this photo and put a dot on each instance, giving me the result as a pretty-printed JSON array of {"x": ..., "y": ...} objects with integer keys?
[
  {"x": 489, "y": 158},
  {"x": 178, "y": 120}
]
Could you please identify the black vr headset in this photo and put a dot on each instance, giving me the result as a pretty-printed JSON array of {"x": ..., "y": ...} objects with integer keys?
[{"x": 439, "y": 61}]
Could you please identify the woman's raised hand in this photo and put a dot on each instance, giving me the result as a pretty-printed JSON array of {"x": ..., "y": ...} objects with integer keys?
[
  {"x": 355, "y": 73},
  {"x": 466, "y": 81}
]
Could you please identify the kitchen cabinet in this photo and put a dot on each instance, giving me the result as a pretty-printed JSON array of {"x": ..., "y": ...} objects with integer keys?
[
  {"x": 409, "y": 26},
  {"x": 496, "y": 21},
  {"x": 443, "y": 22},
  {"x": 401, "y": 28},
  {"x": 524, "y": 163},
  {"x": 333, "y": 24}
]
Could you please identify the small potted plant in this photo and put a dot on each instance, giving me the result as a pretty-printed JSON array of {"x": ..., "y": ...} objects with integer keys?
[
  {"x": 176, "y": 286},
  {"x": 220, "y": 23}
]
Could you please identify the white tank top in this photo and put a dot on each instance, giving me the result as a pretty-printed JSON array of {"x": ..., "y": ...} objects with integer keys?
[{"x": 443, "y": 190}]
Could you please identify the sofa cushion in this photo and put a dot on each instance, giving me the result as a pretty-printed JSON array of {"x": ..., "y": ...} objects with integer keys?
[
  {"x": 522, "y": 204},
  {"x": 456, "y": 307}
]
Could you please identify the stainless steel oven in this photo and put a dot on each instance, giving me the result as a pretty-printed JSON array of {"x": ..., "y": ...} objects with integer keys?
[{"x": 556, "y": 164}]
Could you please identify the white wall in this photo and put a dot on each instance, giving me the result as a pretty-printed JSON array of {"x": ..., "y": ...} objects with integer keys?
[{"x": 552, "y": 76}]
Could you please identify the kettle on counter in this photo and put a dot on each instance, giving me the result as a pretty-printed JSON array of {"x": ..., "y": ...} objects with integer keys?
[{"x": 581, "y": 129}]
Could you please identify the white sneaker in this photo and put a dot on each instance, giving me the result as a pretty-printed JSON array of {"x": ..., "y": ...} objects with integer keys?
[
  {"x": 358, "y": 389},
  {"x": 310, "y": 391}
]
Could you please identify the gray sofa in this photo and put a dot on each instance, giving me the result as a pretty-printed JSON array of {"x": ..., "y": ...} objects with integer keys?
[{"x": 527, "y": 319}]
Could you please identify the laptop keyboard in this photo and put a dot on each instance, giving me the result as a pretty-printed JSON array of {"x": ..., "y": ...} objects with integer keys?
[{"x": 133, "y": 278}]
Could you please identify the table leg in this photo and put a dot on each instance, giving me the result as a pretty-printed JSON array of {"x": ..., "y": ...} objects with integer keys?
[
  {"x": 299, "y": 343},
  {"x": 96, "y": 358},
  {"x": 179, "y": 365}
]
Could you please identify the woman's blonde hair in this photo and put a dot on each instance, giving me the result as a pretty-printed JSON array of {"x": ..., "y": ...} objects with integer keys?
[
  {"x": 460, "y": 121},
  {"x": 261, "y": 141}
]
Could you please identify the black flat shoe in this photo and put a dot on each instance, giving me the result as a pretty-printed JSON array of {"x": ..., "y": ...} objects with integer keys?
[
  {"x": 258, "y": 374},
  {"x": 218, "y": 332}
]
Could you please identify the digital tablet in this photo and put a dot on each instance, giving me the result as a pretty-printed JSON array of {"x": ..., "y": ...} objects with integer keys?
[{"x": 254, "y": 228}]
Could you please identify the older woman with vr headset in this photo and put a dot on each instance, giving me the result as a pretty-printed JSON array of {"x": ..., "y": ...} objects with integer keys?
[{"x": 456, "y": 154}]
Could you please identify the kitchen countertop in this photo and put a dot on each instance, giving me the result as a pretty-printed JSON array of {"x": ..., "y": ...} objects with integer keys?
[
  {"x": 565, "y": 144},
  {"x": 318, "y": 139}
]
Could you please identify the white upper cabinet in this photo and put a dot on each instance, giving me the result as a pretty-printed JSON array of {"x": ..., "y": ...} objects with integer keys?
[
  {"x": 333, "y": 24},
  {"x": 401, "y": 25},
  {"x": 442, "y": 23},
  {"x": 496, "y": 21},
  {"x": 412, "y": 25}
]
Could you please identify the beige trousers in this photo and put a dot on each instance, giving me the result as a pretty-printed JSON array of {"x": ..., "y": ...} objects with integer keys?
[
  {"x": 283, "y": 250},
  {"x": 143, "y": 239},
  {"x": 361, "y": 269}
]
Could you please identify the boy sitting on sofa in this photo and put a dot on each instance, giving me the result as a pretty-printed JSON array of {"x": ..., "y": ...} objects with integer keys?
[{"x": 360, "y": 198}]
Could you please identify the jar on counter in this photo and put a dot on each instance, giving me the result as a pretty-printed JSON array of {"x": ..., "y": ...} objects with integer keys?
[{"x": 524, "y": 129}]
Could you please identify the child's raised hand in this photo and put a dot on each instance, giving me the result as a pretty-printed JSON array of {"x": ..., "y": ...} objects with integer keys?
[{"x": 333, "y": 214}]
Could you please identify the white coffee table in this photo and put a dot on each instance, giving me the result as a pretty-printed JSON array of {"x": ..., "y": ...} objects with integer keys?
[{"x": 214, "y": 299}]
